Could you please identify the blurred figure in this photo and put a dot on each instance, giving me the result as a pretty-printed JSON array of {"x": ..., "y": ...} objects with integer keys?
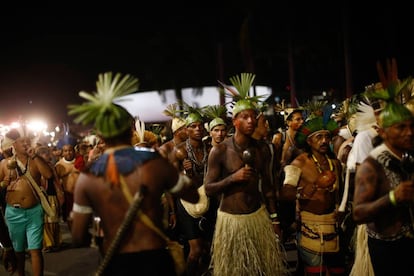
[
  {"x": 120, "y": 171},
  {"x": 24, "y": 214},
  {"x": 52, "y": 238},
  {"x": 67, "y": 174},
  {"x": 8, "y": 256},
  {"x": 384, "y": 192}
]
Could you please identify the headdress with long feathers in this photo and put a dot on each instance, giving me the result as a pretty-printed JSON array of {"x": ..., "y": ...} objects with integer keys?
[
  {"x": 317, "y": 122},
  {"x": 390, "y": 91}
]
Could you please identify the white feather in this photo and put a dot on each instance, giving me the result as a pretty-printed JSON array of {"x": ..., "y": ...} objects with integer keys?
[
  {"x": 140, "y": 129},
  {"x": 365, "y": 117}
]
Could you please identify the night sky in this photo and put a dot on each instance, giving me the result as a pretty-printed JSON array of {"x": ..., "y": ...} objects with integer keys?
[{"x": 49, "y": 54}]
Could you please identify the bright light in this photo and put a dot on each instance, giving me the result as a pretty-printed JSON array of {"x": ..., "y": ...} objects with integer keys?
[
  {"x": 36, "y": 126},
  {"x": 15, "y": 125}
]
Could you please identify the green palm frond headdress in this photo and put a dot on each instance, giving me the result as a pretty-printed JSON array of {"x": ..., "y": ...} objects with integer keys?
[
  {"x": 177, "y": 114},
  {"x": 109, "y": 119},
  {"x": 390, "y": 91},
  {"x": 241, "y": 99},
  {"x": 216, "y": 114},
  {"x": 193, "y": 114}
]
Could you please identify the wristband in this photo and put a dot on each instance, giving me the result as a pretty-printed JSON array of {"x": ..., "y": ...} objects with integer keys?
[
  {"x": 275, "y": 222},
  {"x": 391, "y": 196},
  {"x": 273, "y": 215}
]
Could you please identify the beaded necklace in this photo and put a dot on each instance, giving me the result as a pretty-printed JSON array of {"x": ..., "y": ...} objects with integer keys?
[
  {"x": 319, "y": 165},
  {"x": 197, "y": 165}
]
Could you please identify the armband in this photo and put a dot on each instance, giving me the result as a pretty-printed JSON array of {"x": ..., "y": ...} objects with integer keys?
[
  {"x": 182, "y": 182},
  {"x": 81, "y": 209},
  {"x": 292, "y": 175},
  {"x": 391, "y": 196},
  {"x": 7, "y": 248}
]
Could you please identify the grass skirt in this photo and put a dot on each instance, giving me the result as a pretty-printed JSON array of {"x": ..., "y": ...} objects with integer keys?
[
  {"x": 246, "y": 244},
  {"x": 362, "y": 264}
]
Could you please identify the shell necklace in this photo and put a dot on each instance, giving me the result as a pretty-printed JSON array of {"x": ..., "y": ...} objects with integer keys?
[{"x": 318, "y": 165}]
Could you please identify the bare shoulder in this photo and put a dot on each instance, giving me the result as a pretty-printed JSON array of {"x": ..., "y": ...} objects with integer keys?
[
  {"x": 301, "y": 160},
  {"x": 165, "y": 148}
]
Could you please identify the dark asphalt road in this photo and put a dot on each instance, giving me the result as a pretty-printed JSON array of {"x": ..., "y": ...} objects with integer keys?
[
  {"x": 84, "y": 261},
  {"x": 67, "y": 261}
]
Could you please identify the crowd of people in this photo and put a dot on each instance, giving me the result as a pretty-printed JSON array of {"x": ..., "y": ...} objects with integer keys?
[{"x": 231, "y": 190}]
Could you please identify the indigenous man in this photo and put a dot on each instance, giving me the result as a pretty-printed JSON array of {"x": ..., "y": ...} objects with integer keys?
[
  {"x": 24, "y": 213},
  {"x": 384, "y": 193},
  {"x": 245, "y": 240},
  {"x": 313, "y": 179},
  {"x": 119, "y": 172},
  {"x": 191, "y": 157},
  {"x": 179, "y": 132},
  {"x": 217, "y": 127},
  {"x": 52, "y": 238},
  {"x": 67, "y": 174}
]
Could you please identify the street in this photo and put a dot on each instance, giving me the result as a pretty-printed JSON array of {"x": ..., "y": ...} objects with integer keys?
[
  {"x": 84, "y": 261},
  {"x": 67, "y": 261}
]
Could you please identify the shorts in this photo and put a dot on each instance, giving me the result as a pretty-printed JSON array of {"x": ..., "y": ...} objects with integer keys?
[
  {"x": 313, "y": 259},
  {"x": 25, "y": 227}
]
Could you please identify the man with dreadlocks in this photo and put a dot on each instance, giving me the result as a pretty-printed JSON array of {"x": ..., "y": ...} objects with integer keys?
[
  {"x": 246, "y": 239},
  {"x": 120, "y": 172},
  {"x": 384, "y": 190},
  {"x": 313, "y": 180}
]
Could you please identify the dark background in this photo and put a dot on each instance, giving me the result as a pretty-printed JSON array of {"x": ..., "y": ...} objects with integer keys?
[{"x": 50, "y": 53}]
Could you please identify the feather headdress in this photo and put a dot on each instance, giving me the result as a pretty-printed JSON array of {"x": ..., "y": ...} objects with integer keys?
[
  {"x": 365, "y": 117},
  {"x": 390, "y": 91},
  {"x": 317, "y": 121},
  {"x": 241, "y": 99},
  {"x": 110, "y": 119},
  {"x": 67, "y": 138},
  {"x": 143, "y": 137}
]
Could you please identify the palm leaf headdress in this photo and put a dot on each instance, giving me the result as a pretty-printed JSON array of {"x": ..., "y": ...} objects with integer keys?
[
  {"x": 177, "y": 114},
  {"x": 173, "y": 110},
  {"x": 193, "y": 114},
  {"x": 241, "y": 99},
  {"x": 110, "y": 119},
  {"x": 216, "y": 114}
]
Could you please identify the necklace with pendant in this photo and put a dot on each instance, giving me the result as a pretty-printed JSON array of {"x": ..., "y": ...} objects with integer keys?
[{"x": 318, "y": 165}]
